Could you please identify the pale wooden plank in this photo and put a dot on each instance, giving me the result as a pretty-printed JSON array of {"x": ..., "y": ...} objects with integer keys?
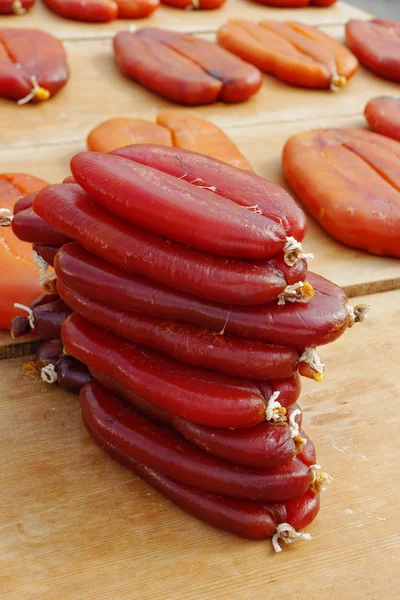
[
  {"x": 356, "y": 271},
  {"x": 76, "y": 525},
  {"x": 97, "y": 90},
  {"x": 189, "y": 21}
]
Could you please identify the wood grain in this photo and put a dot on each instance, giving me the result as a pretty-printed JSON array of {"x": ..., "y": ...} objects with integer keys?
[
  {"x": 10, "y": 348},
  {"x": 79, "y": 526},
  {"x": 355, "y": 270},
  {"x": 188, "y": 21},
  {"x": 97, "y": 91}
]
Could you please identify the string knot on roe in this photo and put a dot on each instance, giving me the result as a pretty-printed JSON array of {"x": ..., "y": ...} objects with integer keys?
[
  {"x": 320, "y": 479},
  {"x": 286, "y": 533}
]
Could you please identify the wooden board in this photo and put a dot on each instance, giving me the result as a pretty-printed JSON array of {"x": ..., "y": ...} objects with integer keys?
[
  {"x": 181, "y": 20},
  {"x": 97, "y": 91},
  {"x": 77, "y": 526},
  {"x": 10, "y": 348},
  {"x": 356, "y": 271}
]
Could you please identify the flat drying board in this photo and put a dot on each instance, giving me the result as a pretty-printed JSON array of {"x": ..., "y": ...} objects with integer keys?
[{"x": 78, "y": 526}]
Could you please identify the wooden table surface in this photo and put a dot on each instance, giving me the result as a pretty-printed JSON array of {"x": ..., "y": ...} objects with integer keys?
[{"x": 76, "y": 526}]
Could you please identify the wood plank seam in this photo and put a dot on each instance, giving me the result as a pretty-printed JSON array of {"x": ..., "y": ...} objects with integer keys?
[
  {"x": 111, "y": 34},
  {"x": 230, "y": 126},
  {"x": 201, "y": 31},
  {"x": 371, "y": 287}
]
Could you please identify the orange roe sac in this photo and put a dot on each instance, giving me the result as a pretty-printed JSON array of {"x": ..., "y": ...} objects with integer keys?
[{"x": 19, "y": 273}]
